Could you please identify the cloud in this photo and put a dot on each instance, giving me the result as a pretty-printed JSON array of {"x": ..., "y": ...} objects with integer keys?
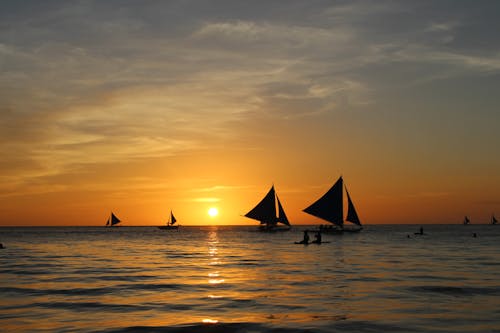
[
  {"x": 222, "y": 188},
  {"x": 92, "y": 83},
  {"x": 207, "y": 200}
]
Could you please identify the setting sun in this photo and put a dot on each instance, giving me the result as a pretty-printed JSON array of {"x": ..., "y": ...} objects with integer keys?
[{"x": 213, "y": 211}]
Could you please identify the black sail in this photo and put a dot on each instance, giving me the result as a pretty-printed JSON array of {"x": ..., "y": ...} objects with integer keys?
[
  {"x": 352, "y": 216},
  {"x": 114, "y": 219},
  {"x": 265, "y": 211},
  {"x": 329, "y": 207},
  {"x": 281, "y": 213}
]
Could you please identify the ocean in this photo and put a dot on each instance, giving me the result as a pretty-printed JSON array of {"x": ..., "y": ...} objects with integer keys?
[{"x": 234, "y": 279}]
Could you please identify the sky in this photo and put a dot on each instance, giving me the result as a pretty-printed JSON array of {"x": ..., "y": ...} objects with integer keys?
[{"x": 142, "y": 107}]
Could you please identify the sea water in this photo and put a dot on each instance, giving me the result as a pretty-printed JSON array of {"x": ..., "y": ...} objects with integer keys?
[{"x": 234, "y": 279}]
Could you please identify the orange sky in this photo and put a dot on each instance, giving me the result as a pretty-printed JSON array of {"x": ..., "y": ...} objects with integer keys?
[{"x": 143, "y": 110}]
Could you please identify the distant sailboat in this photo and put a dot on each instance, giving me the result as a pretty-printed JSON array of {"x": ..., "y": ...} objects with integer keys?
[
  {"x": 466, "y": 220},
  {"x": 170, "y": 223},
  {"x": 112, "y": 220},
  {"x": 265, "y": 212},
  {"x": 493, "y": 219},
  {"x": 330, "y": 207}
]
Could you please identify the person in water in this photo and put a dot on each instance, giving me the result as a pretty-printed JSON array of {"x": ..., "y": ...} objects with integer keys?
[
  {"x": 305, "y": 240},
  {"x": 317, "y": 238}
]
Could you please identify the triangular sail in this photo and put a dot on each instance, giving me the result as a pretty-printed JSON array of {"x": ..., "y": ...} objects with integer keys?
[
  {"x": 265, "y": 211},
  {"x": 352, "y": 216},
  {"x": 172, "y": 218},
  {"x": 329, "y": 207},
  {"x": 114, "y": 219},
  {"x": 493, "y": 219},
  {"x": 281, "y": 213}
]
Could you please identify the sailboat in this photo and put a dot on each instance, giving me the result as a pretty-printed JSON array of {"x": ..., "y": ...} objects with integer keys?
[
  {"x": 493, "y": 219},
  {"x": 330, "y": 207},
  {"x": 265, "y": 212},
  {"x": 112, "y": 220},
  {"x": 466, "y": 220},
  {"x": 170, "y": 223}
]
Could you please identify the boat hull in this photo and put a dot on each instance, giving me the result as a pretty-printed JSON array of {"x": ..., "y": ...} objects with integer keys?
[
  {"x": 168, "y": 227},
  {"x": 339, "y": 231},
  {"x": 265, "y": 228}
]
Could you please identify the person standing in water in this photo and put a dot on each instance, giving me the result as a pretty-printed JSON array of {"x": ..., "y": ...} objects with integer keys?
[
  {"x": 305, "y": 240},
  {"x": 317, "y": 238}
]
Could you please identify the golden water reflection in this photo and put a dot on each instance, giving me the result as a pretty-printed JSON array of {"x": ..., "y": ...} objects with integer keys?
[
  {"x": 162, "y": 281},
  {"x": 214, "y": 277}
]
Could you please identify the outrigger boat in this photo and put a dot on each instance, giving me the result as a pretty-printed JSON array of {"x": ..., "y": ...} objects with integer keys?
[
  {"x": 265, "y": 212},
  {"x": 112, "y": 221},
  {"x": 170, "y": 223},
  {"x": 330, "y": 207}
]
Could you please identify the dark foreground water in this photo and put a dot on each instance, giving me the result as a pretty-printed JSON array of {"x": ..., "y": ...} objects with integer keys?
[{"x": 233, "y": 279}]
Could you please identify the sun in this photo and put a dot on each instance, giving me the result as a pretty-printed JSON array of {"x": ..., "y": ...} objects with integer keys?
[{"x": 213, "y": 212}]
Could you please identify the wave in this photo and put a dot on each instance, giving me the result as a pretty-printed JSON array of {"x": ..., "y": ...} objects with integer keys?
[
  {"x": 340, "y": 324},
  {"x": 458, "y": 291},
  {"x": 212, "y": 328},
  {"x": 67, "y": 292},
  {"x": 98, "y": 306},
  {"x": 94, "y": 291},
  {"x": 153, "y": 286}
]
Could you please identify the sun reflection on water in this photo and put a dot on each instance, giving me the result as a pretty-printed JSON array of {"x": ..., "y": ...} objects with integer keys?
[{"x": 213, "y": 276}]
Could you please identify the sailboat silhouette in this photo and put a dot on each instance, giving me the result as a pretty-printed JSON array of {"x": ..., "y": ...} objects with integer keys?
[
  {"x": 265, "y": 212},
  {"x": 330, "y": 207},
  {"x": 170, "y": 223},
  {"x": 112, "y": 220}
]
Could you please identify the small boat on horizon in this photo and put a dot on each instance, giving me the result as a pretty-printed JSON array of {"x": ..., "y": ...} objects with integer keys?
[
  {"x": 466, "y": 220},
  {"x": 330, "y": 207},
  {"x": 112, "y": 221},
  {"x": 265, "y": 212},
  {"x": 493, "y": 219},
  {"x": 170, "y": 223}
]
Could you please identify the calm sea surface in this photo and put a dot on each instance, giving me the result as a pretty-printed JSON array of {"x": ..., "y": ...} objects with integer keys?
[{"x": 233, "y": 279}]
